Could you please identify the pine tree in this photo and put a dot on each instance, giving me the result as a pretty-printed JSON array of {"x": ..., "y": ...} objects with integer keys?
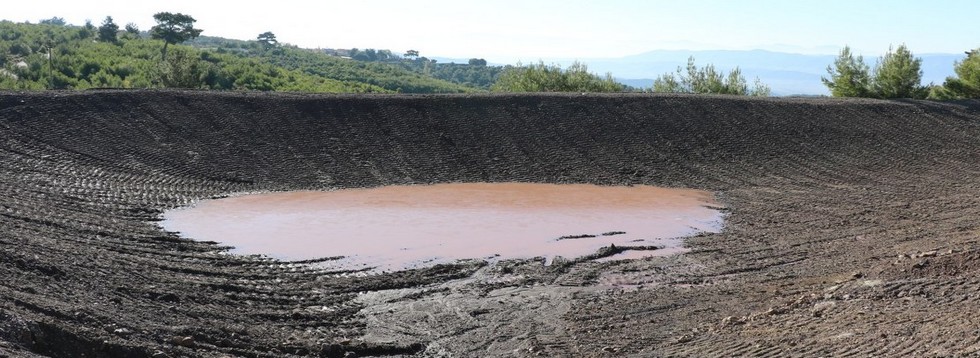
[
  {"x": 108, "y": 30},
  {"x": 849, "y": 76},
  {"x": 173, "y": 29},
  {"x": 708, "y": 80},
  {"x": 898, "y": 74},
  {"x": 966, "y": 84}
]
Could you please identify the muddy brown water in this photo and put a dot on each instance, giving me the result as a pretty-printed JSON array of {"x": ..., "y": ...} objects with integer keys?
[{"x": 399, "y": 227}]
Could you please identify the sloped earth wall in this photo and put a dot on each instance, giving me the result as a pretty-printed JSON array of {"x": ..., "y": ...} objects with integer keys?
[{"x": 853, "y": 226}]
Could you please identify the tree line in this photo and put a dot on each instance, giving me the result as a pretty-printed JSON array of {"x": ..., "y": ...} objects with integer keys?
[
  {"x": 898, "y": 74},
  {"x": 552, "y": 78},
  {"x": 475, "y": 73},
  {"x": 53, "y": 54},
  {"x": 708, "y": 80},
  {"x": 691, "y": 79},
  {"x": 56, "y": 55}
]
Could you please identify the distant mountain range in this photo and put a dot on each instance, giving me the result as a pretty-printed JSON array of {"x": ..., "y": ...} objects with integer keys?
[{"x": 786, "y": 73}]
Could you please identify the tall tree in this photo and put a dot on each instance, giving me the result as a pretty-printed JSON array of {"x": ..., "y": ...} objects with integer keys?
[
  {"x": 898, "y": 74},
  {"x": 132, "y": 31},
  {"x": 173, "y": 29},
  {"x": 108, "y": 30},
  {"x": 849, "y": 76},
  {"x": 268, "y": 39}
]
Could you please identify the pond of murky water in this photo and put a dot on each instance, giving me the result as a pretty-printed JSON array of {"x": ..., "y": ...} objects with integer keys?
[{"x": 399, "y": 227}]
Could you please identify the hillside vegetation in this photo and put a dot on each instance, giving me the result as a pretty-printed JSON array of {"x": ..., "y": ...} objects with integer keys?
[
  {"x": 54, "y": 56},
  {"x": 708, "y": 80},
  {"x": 391, "y": 76},
  {"x": 898, "y": 74},
  {"x": 552, "y": 78}
]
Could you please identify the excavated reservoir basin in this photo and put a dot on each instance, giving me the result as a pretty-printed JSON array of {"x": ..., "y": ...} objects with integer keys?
[{"x": 403, "y": 227}]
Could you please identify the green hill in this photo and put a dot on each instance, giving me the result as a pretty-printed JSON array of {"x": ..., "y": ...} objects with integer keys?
[
  {"x": 391, "y": 76},
  {"x": 39, "y": 56},
  {"x": 57, "y": 56}
]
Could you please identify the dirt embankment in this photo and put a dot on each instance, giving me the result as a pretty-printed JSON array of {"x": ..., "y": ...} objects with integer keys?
[{"x": 854, "y": 225}]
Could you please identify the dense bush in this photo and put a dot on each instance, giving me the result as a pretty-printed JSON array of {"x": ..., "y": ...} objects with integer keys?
[
  {"x": 707, "y": 80},
  {"x": 552, "y": 78}
]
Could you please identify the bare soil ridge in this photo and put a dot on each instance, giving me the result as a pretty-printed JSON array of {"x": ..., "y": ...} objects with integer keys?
[{"x": 854, "y": 225}]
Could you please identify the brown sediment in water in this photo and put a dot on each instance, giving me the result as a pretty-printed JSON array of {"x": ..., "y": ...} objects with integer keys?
[{"x": 398, "y": 227}]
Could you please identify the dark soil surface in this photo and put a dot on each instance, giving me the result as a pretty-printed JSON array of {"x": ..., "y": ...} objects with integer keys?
[{"x": 853, "y": 227}]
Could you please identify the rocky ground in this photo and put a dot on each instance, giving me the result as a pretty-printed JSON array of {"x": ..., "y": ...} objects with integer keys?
[{"x": 853, "y": 226}]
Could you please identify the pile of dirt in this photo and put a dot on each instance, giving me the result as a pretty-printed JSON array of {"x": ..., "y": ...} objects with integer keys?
[{"x": 853, "y": 228}]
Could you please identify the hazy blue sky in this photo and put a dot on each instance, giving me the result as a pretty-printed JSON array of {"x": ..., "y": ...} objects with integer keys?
[{"x": 510, "y": 30}]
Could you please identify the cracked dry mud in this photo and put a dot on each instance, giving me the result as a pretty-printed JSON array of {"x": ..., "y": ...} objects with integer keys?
[{"x": 853, "y": 226}]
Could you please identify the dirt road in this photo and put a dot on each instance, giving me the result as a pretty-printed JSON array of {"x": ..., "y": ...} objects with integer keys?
[{"x": 853, "y": 226}]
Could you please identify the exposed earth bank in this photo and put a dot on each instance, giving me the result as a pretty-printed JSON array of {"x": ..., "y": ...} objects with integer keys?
[{"x": 853, "y": 226}]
